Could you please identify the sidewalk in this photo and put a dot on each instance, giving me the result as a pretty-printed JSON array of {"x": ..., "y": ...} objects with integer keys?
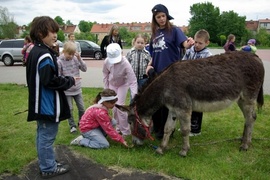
[{"x": 93, "y": 76}]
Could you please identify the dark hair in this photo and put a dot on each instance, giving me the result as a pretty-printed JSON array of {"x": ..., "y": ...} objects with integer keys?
[
  {"x": 28, "y": 39},
  {"x": 41, "y": 26},
  {"x": 105, "y": 93},
  {"x": 155, "y": 26}
]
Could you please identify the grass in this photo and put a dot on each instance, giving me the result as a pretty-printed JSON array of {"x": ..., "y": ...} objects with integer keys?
[{"x": 213, "y": 155}]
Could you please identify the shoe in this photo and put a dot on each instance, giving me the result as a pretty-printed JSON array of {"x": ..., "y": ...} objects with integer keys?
[
  {"x": 77, "y": 140},
  {"x": 73, "y": 130},
  {"x": 194, "y": 134},
  {"x": 60, "y": 169}
]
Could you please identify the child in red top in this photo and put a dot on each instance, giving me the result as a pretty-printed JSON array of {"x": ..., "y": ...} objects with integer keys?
[{"x": 96, "y": 123}]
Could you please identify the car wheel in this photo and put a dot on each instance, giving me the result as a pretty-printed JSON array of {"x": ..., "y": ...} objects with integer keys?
[
  {"x": 8, "y": 60},
  {"x": 98, "y": 55}
]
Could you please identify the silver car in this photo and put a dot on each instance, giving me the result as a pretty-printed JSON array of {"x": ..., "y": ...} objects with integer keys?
[{"x": 11, "y": 51}]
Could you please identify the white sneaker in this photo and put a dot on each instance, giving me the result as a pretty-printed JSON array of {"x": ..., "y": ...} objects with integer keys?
[
  {"x": 194, "y": 134},
  {"x": 73, "y": 130},
  {"x": 77, "y": 140}
]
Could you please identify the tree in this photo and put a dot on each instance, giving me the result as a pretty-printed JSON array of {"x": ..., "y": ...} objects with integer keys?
[
  {"x": 69, "y": 22},
  {"x": 59, "y": 20},
  {"x": 85, "y": 26},
  {"x": 8, "y": 27},
  {"x": 60, "y": 35},
  {"x": 204, "y": 16},
  {"x": 263, "y": 38},
  {"x": 232, "y": 23}
]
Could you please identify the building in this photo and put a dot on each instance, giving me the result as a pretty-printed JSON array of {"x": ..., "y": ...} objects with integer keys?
[{"x": 69, "y": 29}]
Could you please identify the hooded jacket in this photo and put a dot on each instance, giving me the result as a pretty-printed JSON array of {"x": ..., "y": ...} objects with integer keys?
[{"x": 46, "y": 100}]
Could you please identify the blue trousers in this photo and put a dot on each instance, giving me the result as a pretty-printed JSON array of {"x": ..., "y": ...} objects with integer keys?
[{"x": 46, "y": 134}]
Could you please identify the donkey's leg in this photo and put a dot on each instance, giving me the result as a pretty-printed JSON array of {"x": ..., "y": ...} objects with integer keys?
[
  {"x": 185, "y": 123},
  {"x": 168, "y": 129},
  {"x": 248, "y": 109}
]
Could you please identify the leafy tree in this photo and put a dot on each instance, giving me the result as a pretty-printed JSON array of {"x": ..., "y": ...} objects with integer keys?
[
  {"x": 59, "y": 20},
  {"x": 69, "y": 22},
  {"x": 232, "y": 23},
  {"x": 204, "y": 16},
  {"x": 86, "y": 36},
  {"x": 8, "y": 27},
  {"x": 126, "y": 36},
  {"x": 61, "y": 36},
  {"x": 85, "y": 26},
  {"x": 263, "y": 37}
]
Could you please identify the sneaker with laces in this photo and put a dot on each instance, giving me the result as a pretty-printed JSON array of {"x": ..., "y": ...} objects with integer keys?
[
  {"x": 194, "y": 134},
  {"x": 77, "y": 140},
  {"x": 60, "y": 169},
  {"x": 73, "y": 130}
]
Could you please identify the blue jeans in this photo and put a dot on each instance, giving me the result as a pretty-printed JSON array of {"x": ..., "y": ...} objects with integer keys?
[
  {"x": 80, "y": 105},
  {"x": 96, "y": 138},
  {"x": 46, "y": 134}
]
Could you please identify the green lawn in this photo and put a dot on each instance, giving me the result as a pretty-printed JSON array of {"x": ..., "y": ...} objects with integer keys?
[{"x": 213, "y": 155}]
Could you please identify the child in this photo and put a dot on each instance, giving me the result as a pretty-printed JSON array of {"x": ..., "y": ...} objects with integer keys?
[
  {"x": 96, "y": 123},
  {"x": 28, "y": 45},
  {"x": 69, "y": 64},
  {"x": 250, "y": 47},
  {"x": 139, "y": 59},
  {"x": 71, "y": 37},
  {"x": 229, "y": 45},
  {"x": 197, "y": 51},
  {"x": 47, "y": 103},
  {"x": 118, "y": 75}
]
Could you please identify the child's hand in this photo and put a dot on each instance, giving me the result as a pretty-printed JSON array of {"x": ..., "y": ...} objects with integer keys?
[
  {"x": 126, "y": 144},
  {"x": 77, "y": 55},
  {"x": 77, "y": 78}
]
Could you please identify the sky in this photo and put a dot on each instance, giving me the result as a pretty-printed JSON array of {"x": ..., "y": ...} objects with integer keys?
[{"x": 125, "y": 11}]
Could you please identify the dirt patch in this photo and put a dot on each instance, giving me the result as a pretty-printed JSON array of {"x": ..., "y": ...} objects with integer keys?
[{"x": 85, "y": 169}]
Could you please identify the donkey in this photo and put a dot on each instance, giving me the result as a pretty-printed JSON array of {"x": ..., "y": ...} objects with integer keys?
[{"x": 203, "y": 85}]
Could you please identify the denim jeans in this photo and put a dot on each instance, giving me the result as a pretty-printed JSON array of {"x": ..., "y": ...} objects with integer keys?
[
  {"x": 96, "y": 138},
  {"x": 80, "y": 105},
  {"x": 46, "y": 134}
]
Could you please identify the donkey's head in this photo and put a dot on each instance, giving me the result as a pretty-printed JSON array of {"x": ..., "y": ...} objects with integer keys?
[{"x": 140, "y": 129}]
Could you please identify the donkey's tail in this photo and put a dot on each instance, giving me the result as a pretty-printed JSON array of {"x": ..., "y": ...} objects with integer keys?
[{"x": 260, "y": 99}]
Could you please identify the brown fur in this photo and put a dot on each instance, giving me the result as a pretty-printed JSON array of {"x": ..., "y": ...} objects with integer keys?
[{"x": 204, "y": 85}]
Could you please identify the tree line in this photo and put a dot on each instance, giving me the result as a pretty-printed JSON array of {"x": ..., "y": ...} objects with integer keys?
[{"x": 203, "y": 16}]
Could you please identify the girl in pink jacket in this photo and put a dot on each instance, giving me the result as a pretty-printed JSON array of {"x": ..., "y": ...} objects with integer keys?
[
  {"x": 96, "y": 123},
  {"x": 119, "y": 76}
]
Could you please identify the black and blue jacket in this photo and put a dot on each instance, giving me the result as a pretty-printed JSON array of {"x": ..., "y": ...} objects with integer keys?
[{"x": 47, "y": 100}]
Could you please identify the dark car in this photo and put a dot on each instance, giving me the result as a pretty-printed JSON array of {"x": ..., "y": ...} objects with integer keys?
[
  {"x": 90, "y": 49},
  {"x": 11, "y": 51}
]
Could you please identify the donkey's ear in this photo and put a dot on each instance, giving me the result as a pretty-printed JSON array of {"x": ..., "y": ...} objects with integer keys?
[{"x": 123, "y": 108}]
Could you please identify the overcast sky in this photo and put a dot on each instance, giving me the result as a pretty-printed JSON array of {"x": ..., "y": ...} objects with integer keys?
[{"x": 110, "y": 11}]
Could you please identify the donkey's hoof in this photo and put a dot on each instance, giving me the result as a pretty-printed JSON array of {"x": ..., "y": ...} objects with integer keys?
[
  {"x": 242, "y": 149},
  {"x": 183, "y": 153},
  {"x": 159, "y": 151}
]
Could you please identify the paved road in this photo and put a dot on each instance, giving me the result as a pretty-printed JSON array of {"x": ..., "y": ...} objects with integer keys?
[{"x": 93, "y": 76}]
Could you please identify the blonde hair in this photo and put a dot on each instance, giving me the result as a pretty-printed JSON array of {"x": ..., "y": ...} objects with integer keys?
[{"x": 69, "y": 47}]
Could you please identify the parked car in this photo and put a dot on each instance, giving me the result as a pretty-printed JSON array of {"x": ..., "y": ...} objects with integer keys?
[
  {"x": 90, "y": 49},
  {"x": 11, "y": 51}
]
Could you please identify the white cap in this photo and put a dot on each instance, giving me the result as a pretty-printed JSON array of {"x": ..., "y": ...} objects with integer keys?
[{"x": 114, "y": 53}]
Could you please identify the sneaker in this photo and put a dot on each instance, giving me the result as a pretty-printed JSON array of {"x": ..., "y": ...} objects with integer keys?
[
  {"x": 194, "y": 134},
  {"x": 73, "y": 130},
  {"x": 60, "y": 169},
  {"x": 77, "y": 140}
]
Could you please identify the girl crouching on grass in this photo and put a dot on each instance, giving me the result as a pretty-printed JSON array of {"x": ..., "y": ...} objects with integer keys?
[{"x": 96, "y": 123}]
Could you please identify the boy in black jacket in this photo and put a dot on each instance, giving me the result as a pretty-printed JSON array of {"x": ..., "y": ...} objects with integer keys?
[{"x": 47, "y": 102}]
